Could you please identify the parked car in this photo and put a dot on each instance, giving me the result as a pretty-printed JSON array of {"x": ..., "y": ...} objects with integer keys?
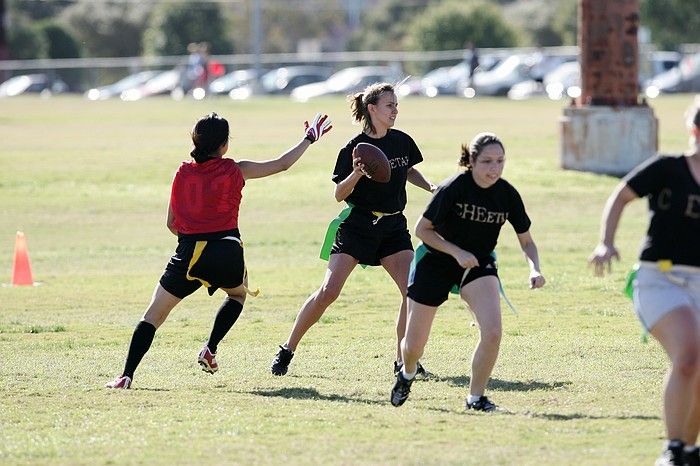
[
  {"x": 499, "y": 80},
  {"x": 233, "y": 80},
  {"x": 682, "y": 78},
  {"x": 347, "y": 81},
  {"x": 32, "y": 83},
  {"x": 545, "y": 64},
  {"x": 564, "y": 81},
  {"x": 284, "y": 80},
  {"x": 115, "y": 89},
  {"x": 410, "y": 85},
  {"x": 165, "y": 82},
  {"x": 654, "y": 63},
  {"x": 444, "y": 80}
]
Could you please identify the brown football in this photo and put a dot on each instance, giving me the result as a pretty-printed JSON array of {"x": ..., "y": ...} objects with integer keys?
[{"x": 375, "y": 162}]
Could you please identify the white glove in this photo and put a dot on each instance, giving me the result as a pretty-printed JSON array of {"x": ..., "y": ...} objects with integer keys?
[{"x": 318, "y": 127}]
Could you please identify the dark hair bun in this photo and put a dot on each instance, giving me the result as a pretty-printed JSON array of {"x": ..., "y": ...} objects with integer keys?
[{"x": 209, "y": 133}]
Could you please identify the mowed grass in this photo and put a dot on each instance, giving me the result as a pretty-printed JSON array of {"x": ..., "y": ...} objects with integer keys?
[{"x": 88, "y": 182}]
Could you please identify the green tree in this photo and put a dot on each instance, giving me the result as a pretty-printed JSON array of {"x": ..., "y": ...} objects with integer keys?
[
  {"x": 108, "y": 29},
  {"x": 174, "y": 25},
  {"x": 565, "y": 21},
  {"x": 37, "y": 9},
  {"x": 544, "y": 22},
  {"x": 61, "y": 44},
  {"x": 385, "y": 27},
  {"x": 285, "y": 24},
  {"x": 451, "y": 25},
  {"x": 672, "y": 22},
  {"x": 25, "y": 39}
]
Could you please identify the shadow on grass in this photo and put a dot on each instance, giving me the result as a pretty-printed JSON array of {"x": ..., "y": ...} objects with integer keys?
[
  {"x": 507, "y": 385},
  {"x": 149, "y": 389},
  {"x": 574, "y": 416},
  {"x": 311, "y": 394}
]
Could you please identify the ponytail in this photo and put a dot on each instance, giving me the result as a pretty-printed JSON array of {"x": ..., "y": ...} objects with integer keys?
[
  {"x": 360, "y": 101},
  {"x": 471, "y": 152}
]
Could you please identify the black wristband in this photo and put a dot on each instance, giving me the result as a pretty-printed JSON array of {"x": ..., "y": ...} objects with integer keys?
[{"x": 309, "y": 138}]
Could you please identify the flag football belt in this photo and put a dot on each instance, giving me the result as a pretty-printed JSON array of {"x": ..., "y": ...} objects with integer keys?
[
  {"x": 379, "y": 215},
  {"x": 664, "y": 266}
]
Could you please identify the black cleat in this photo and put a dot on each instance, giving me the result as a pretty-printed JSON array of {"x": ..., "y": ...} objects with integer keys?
[
  {"x": 482, "y": 404},
  {"x": 672, "y": 455},
  {"x": 421, "y": 373},
  {"x": 402, "y": 387},
  {"x": 692, "y": 457},
  {"x": 281, "y": 362}
]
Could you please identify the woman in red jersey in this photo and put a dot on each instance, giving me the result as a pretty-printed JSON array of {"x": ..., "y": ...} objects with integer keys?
[{"x": 203, "y": 213}]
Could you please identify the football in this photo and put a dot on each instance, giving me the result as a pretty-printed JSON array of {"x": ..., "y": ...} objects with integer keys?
[{"x": 375, "y": 162}]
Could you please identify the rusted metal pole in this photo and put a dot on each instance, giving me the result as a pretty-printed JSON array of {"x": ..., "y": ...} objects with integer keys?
[
  {"x": 607, "y": 130},
  {"x": 609, "y": 56}
]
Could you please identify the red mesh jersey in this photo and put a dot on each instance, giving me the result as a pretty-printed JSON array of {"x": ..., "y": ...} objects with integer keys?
[{"x": 205, "y": 197}]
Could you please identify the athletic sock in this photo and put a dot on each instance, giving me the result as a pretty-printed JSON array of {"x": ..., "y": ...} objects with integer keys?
[
  {"x": 140, "y": 343},
  {"x": 690, "y": 448},
  {"x": 406, "y": 375},
  {"x": 473, "y": 398},
  {"x": 225, "y": 318}
]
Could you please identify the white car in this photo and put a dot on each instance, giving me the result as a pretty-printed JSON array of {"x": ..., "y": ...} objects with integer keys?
[
  {"x": 115, "y": 89},
  {"x": 27, "y": 83},
  {"x": 347, "y": 81},
  {"x": 500, "y": 79},
  {"x": 564, "y": 81}
]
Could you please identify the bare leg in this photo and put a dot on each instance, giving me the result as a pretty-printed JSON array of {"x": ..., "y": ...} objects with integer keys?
[
  {"x": 162, "y": 302},
  {"x": 678, "y": 333},
  {"x": 398, "y": 265},
  {"x": 420, "y": 321},
  {"x": 692, "y": 424},
  {"x": 482, "y": 297},
  {"x": 339, "y": 268}
]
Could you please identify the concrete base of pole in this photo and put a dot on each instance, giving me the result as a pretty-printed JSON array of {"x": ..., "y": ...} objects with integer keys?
[{"x": 607, "y": 140}]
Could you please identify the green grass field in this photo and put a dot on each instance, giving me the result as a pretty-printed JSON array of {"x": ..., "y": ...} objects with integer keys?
[{"x": 88, "y": 183}]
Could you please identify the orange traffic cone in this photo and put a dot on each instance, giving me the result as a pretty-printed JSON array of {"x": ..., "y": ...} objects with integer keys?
[{"x": 21, "y": 269}]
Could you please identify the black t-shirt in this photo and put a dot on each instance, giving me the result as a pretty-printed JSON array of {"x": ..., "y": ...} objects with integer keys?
[
  {"x": 674, "y": 209},
  {"x": 471, "y": 217},
  {"x": 402, "y": 152}
]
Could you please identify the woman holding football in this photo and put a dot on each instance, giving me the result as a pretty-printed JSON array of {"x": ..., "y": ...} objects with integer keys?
[
  {"x": 203, "y": 213},
  {"x": 666, "y": 290},
  {"x": 373, "y": 230},
  {"x": 459, "y": 230}
]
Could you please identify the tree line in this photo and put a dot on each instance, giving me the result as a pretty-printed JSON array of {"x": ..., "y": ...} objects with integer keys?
[{"x": 119, "y": 28}]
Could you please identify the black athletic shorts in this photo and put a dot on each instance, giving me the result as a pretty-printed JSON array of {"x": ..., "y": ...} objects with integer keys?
[
  {"x": 369, "y": 238},
  {"x": 436, "y": 273},
  {"x": 214, "y": 263}
]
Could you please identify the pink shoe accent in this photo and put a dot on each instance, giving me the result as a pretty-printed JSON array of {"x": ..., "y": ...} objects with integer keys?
[
  {"x": 207, "y": 360},
  {"x": 122, "y": 382}
]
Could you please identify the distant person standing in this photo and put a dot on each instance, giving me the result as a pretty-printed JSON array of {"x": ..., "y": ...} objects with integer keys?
[
  {"x": 194, "y": 67},
  {"x": 667, "y": 286},
  {"x": 204, "y": 72},
  {"x": 473, "y": 58}
]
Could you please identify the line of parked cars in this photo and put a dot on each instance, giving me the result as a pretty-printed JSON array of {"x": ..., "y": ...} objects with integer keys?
[
  {"x": 32, "y": 83},
  {"x": 517, "y": 76}
]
